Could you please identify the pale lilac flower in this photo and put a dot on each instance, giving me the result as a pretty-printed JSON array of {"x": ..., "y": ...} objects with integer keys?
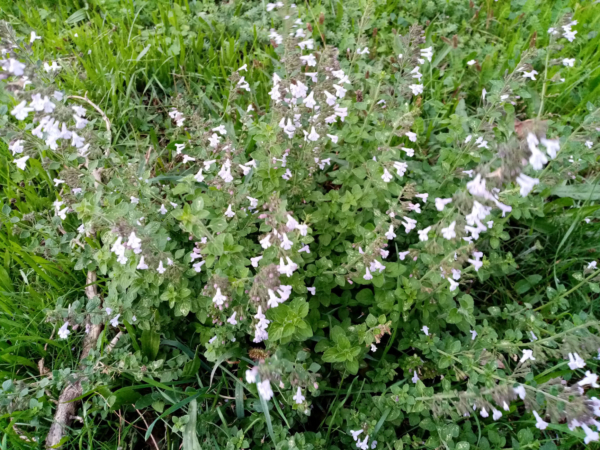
[
  {"x": 333, "y": 138},
  {"x": 526, "y": 183},
  {"x": 312, "y": 290},
  {"x": 540, "y": 424},
  {"x": 415, "y": 377},
  {"x": 425, "y": 330},
  {"x": 219, "y": 299},
  {"x": 229, "y": 213},
  {"x": 162, "y": 210},
  {"x": 355, "y": 434},
  {"x": 440, "y": 203},
  {"x": 403, "y": 255},
  {"x": 198, "y": 266},
  {"x": 412, "y": 137},
  {"x": 115, "y": 320},
  {"x": 305, "y": 249},
  {"x": 161, "y": 268},
  {"x": 63, "y": 331},
  {"x": 589, "y": 144},
  {"x": 387, "y": 176},
  {"x": 367, "y": 276},
  {"x": 390, "y": 233},
  {"x": 255, "y": 260},
  {"x": 142, "y": 264},
  {"x": 576, "y": 361},
  {"x": 473, "y": 334}
]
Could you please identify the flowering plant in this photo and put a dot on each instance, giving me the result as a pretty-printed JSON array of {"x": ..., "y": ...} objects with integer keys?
[{"x": 331, "y": 230}]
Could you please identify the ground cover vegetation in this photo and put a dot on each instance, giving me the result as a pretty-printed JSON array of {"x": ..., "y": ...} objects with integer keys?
[{"x": 363, "y": 224}]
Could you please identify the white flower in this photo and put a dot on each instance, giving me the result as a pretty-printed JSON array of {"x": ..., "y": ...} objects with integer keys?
[
  {"x": 540, "y": 424},
  {"x": 286, "y": 244},
  {"x": 570, "y": 35},
  {"x": 312, "y": 290},
  {"x": 364, "y": 51},
  {"x": 390, "y": 233},
  {"x": 496, "y": 414},
  {"x": 229, "y": 213},
  {"x": 313, "y": 136},
  {"x": 355, "y": 434},
  {"x": 115, "y": 320},
  {"x": 530, "y": 75},
  {"x": 590, "y": 379},
  {"x": 187, "y": 158},
  {"x": 63, "y": 331},
  {"x": 568, "y": 62},
  {"x": 16, "y": 147},
  {"x": 367, "y": 276},
  {"x": 590, "y": 435},
  {"x": 34, "y": 37},
  {"x": 412, "y": 137},
  {"x": 333, "y": 138},
  {"x": 484, "y": 413},
  {"x": 21, "y": 162},
  {"x": 198, "y": 266},
  {"x": 473, "y": 334},
  {"x": 409, "y": 224},
  {"x": 520, "y": 391},
  {"x": 589, "y": 144},
  {"x": 400, "y": 167},
  {"x": 161, "y": 268},
  {"x": 308, "y": 44},
  {"x": 219, "y": 299},
  {"x": 425, "y": 330},
  {"x": 309, "y": 60},
  {"x": 471, "y": 63},
  {"x": 552, "y": 146},
  {"x": 53, "y": 67},
  {"x": 423, "y": 197},
  {"x": 440, "y": 203},
  {"x": 416, "y": 89},
  {"x": 221, "y": 128},
  {"x": 255, "y": 260},
  {"x": 21, "y": 111},
  {"x": 527, "y": 183},
  {"x": 299, "y": 398},
  {"x": 162, "y": 210},
  {"x": 214, "y": 140},
  {"x": 481, "y": 143},
  {"x": 364, "y": 444},
  {"x": 264, "y": 390},
  {"x": 387, "y": 176},
  {"x": 448, "y": 232},
  {"x": 340, "y": 92},
  {"x": 427, "y": 53},
  {"x": 453, "y": 284},
  {"x": 527, "y": 355},
  {"x": 423, "y": 234},
  {"x": 309, "y": 101},
  {"x": 483, "y": 93},
  {"x": 142, "y": 265},
  {"x": 576, "y": 361},
  {"x": 340, "y": 112},
  {"x": 264, "y": 242},
  {"x": 15, "y": 67}
]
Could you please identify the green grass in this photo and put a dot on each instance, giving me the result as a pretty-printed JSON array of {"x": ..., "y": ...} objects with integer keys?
[{"x": 133, "y": 58}]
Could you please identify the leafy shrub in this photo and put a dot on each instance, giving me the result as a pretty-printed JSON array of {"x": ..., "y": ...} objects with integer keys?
[{"x": 334, "y": 230}]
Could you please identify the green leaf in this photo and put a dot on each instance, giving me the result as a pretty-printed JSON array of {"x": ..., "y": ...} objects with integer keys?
[
  {"x": 150, "y": 344},
  {"x": 578, "y": 192},
  {"x": 190, "y": 436}
]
